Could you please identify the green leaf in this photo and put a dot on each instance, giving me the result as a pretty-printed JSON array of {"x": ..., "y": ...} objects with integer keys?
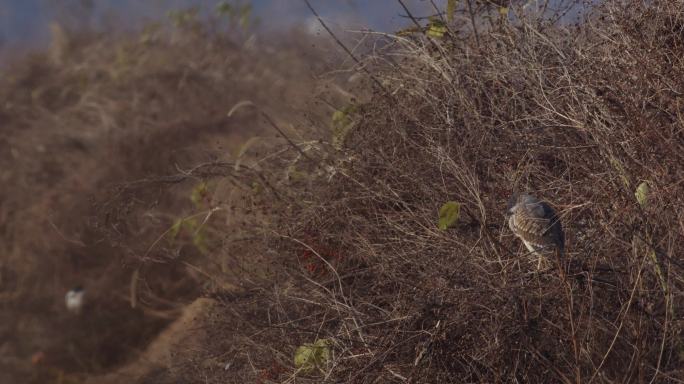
[
  {"x": 257, "y": 188},
  {"x": 199, "y": 194},
  {"x": 175, "y": 228},
  {"x": 310, "y": 356},
  {"x": 342, "y": 123},
  {"x": 436, "y": 28},
  {"x": 224, "y": 8},
  {"x": 448, "y": 214},
  {"x": 620, "y": 170},
  {"x": 245, "y": 16},
  {"x": 184, "y": 230},
  {"x": 190, "y": 224},
  {"x": 409, "y": 31},
  {"x": 642, "y": 192},
  {"x": 451, "y": 9},
  {"x": 199, "y": 240}
]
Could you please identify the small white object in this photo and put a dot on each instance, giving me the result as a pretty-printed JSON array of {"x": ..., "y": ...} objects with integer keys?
[{"x": 74, "y": 300}]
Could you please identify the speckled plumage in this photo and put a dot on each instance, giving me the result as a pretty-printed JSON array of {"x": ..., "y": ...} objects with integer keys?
[{"x": 536, "y": 224}]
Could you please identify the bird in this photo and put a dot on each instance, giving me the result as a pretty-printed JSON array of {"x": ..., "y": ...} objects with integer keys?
[
  {"x": 74, "y": 299},
  {"x": 536, "y": 223}
]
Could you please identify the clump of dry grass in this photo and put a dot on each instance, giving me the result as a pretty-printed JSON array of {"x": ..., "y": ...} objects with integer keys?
[{"x": 578, "y": 114}]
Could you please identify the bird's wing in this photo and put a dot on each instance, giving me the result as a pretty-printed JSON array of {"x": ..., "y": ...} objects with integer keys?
[
  {"x": 554, "y": 229},
  {"x": 530, "y": 228}
]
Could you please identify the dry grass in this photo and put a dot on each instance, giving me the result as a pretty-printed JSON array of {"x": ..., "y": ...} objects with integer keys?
[
  {"x": 580, "y": 115},
  {"x": 311, "y": 240}
]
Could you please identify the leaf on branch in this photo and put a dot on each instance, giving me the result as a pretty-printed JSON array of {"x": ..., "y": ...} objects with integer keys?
[
  {"x": 224, "y": 8},
  {"x": 199, "y": 194},
  {"x": 409, "y": 31},
  {"x": 342, "y": 123},
  {"x": 451, "y": 10},
  {"x": 437, "y": 28},
  {"x": 642, "y": 192},
  {"x": 199, "y": 240},
  {"x": 310, "y": 356},
  {"x": 175, "y": 228},
  {"x": 448, "y": 214}
]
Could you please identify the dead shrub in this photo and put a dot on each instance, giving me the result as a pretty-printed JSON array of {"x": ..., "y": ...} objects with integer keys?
[{"x": 580, "y": 115}]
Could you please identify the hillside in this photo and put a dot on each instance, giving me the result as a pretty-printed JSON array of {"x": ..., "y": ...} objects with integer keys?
[
  {"x": 90, "y": 130},
  {"x": 268, "y": 211}
]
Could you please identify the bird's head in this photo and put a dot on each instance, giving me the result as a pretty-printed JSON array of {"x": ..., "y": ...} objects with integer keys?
[
  {"x": 518, "y": 200},
  {"x": 511, "y": 206}
]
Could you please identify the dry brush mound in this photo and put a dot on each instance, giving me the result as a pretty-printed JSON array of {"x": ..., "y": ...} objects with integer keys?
[
  {"x": 582, "y": 115},
  {"x": 324, "y": 244}
]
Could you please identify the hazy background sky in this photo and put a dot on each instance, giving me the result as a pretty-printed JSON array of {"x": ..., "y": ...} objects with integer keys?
[{"x": 25, "y": 23}]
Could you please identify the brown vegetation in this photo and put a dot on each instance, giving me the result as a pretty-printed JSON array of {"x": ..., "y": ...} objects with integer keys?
[
  {"x": 581, "y": 115},
  {"x": 96, "y": 112},
  {"x": 333, "y": 235}
]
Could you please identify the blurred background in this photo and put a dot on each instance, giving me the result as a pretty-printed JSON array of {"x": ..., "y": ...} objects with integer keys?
[
  {"x": 98, "y": 94},
  {"x": 26, "y": 22}
]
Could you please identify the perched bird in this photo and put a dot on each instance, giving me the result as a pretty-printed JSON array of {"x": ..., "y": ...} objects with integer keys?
[
  {"x": 74, "y": 299},
  {"x": 536, "y": 224}
]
